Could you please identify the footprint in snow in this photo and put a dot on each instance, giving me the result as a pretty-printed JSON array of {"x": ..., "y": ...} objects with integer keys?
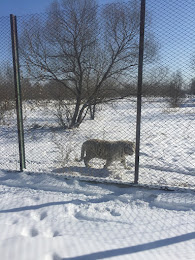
[
  {"x": 43, "y": 215},
  {"x": 15, "y": 221},
  {"x": 33, "y": 232},
  {"x": 52, "y": 257},
  {"x": 36, "y": 198},
  {"x": 49, "y": 233},
  {"x": 114, "y": 213},
  {"x": 36, "y": 216},
  {"x": 56, "y": 234}
]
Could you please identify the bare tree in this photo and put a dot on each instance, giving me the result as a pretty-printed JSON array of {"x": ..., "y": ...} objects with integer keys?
[
  {"x": 192, "y": 87},
  {"x": 192, "y": 83},
  {"x": 193, "y": 62},
  {"x": 156, "y": 82},
  {"x": 176, "y": 91},
  {"x": 82, "y": 47}
]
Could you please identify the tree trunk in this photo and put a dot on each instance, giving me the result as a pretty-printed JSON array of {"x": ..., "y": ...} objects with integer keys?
[
  {"x": 76, "y": 112},
  {"x": 92, "y": 111}
]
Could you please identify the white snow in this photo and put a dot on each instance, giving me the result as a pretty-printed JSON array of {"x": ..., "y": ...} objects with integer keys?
[
  {"x": 47, "y": 217},
  {"x": 51, "y": 212},
  {"x": 167, "y": 155}
]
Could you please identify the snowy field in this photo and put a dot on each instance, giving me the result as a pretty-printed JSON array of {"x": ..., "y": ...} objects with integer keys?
[
  {"x": 50, "y": 211},
  {"x": 167, "y": 156},
  {"x": 47, "y": 217}
]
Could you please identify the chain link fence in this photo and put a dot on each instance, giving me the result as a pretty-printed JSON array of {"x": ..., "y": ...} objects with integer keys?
[
  {"x": 168, "y": 107},
  {"x": 78, "y": 66},
  {"x": 79, "y": 61},
  {"x": 9, "y": 156}
]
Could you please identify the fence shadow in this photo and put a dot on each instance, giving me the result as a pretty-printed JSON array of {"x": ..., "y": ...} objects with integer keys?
[
  {"x": 135, "y": 249},
  {"x": 84, "y": 171}
]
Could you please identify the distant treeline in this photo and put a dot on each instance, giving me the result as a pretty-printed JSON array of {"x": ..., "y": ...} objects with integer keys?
[{"x": 54, "y": 91}]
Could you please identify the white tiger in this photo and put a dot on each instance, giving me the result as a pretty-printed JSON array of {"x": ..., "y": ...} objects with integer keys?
[{"x": 108, "y": 150}]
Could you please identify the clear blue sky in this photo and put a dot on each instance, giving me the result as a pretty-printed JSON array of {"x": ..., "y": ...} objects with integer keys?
[
  {"x": 173, "y": 24},
  {"x": 21, "y": 7}
]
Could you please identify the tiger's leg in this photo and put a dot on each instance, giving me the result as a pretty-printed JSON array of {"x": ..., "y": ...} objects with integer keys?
[
  {"x": 108, "y": 163},
  {"x": 123, "y": 161},
  {"x": 86, "y": 161},
  {"x": 87, "y": 158}
]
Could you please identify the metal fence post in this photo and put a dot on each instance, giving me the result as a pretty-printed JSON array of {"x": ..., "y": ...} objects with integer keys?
[
  {"x": 139, "y": 89},
  {"x": 14, "y": 37}
]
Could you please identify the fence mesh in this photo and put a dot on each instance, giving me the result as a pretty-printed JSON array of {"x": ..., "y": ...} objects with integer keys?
[
  {"x": 8, "y": 123},
  {"x": 168, "y": 109},
  {"x": 78, "y": 68},
  {"x": 81, "y": 65},
  {"x": 79, "y": 81}
]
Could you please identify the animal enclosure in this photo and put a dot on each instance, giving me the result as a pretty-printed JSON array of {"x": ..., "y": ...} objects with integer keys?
[{"x": 78, "y": 76}]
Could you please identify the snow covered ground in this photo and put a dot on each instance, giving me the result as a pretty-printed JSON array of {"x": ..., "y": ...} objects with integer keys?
[
  {"x": 49, "y": 212},
  {"x": 167, "y": 156},
  {"x": 47, "y": 217}
]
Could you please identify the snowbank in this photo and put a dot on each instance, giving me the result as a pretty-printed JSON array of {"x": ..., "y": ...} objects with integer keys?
[{"x": 46, "y": 217}]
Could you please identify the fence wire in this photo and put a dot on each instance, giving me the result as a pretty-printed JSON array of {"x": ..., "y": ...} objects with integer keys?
[
  {"x": 168, "y": 108},
  {"x": 9, "y": 157},
  {"x": 78, "y": 67},
  {"x": 79, "y": 61},
  {"x": 79, "y": 74}
]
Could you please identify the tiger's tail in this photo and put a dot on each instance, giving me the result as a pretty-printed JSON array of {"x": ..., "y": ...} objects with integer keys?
[{"x": 82, "y": 153}]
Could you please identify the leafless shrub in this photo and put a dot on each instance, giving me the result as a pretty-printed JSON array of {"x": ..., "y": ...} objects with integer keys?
[
  {"x": 6, "y": 112},
  {"x": 176, "y": 92},
  {"x": 65, "y": 146}
]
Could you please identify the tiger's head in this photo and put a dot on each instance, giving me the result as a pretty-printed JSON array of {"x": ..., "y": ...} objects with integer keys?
[{"x": 129, "y": 148}]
